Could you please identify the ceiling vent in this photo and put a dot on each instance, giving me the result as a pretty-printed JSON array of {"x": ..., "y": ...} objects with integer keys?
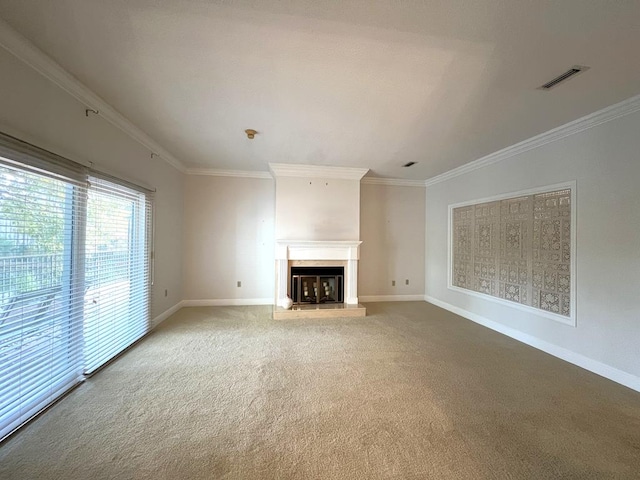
[
  {"x": 409, "y": 164},
  {"x": 572, "y": 72}
]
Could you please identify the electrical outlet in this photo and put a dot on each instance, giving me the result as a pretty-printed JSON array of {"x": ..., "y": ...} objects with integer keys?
[
  {"x": 239, "y": 283},
  {"x": 393, "y": 283},
  {"x": 166, "y": 292},
  {"x": 406, "y": 282}
]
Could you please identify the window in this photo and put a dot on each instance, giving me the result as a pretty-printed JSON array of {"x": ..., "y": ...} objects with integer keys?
[{"x": 74, "y": 275}]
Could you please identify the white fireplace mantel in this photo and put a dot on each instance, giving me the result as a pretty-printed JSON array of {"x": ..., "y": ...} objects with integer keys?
[{"x": 318, "y": 250}]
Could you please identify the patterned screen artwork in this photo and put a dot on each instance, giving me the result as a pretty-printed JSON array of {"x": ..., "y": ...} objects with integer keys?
[{"x": 516, "y": 249}]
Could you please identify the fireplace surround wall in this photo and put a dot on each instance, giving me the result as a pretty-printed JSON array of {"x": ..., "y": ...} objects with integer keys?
[{"x": 323, "y": 233}]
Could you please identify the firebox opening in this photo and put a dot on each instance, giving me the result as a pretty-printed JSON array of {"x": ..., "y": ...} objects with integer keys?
[{"x": 311, "y": 285}]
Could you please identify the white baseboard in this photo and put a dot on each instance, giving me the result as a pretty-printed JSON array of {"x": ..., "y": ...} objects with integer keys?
[
  {"x": 166, "y": 314},
  {"x": 227, "y": 302},
  {"x": 390, "y": 298},
  {"x": 599, "y": 368}
]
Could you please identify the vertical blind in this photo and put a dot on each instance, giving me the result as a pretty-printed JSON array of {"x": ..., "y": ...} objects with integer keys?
[{"x": 74, "y": 275}]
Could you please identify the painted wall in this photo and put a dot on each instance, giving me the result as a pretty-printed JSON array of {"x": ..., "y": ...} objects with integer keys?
[
  {"x": 392, "y": 230},
  {"x": 605, "y": 163},
  {"x": 35, "y": 110},
  {"x": 229, "y": 237},
  {"x": 317, "y": 209}
]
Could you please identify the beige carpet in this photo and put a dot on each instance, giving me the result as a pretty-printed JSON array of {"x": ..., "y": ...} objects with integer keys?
[{"x": 408, "y": 392}]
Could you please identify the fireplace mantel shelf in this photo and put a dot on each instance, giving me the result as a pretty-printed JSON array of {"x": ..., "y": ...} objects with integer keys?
[
  {"x": 317, "y": 249},
  {"x": 321, "y": 242}
]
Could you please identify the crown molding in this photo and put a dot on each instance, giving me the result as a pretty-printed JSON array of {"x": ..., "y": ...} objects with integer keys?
[
  {"x": 316, "y": 171},
  {"x": 213, "y": 172},
  {"x": 396, "y": 182},
  {"x": 31, "y": 55},
  {"x": 399, "y": 182},
  {"x": 607, "y": 114}
]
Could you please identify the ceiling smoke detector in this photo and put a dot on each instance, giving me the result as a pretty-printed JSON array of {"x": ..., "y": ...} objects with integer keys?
[{"x": 572, "y": 72}]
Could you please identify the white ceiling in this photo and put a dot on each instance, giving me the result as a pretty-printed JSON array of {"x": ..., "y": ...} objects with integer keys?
[{"x": 361, "y": 83}]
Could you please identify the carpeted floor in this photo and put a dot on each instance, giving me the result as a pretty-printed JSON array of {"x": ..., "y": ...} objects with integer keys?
[{"x": 408, "y": 392}]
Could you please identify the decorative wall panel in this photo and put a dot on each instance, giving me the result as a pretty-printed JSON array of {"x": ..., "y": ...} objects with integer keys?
[{"x": 516, "y": 249}]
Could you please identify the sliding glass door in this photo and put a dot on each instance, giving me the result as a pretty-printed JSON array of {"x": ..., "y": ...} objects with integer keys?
[
  {"x": 74, "y": 275},
  {"x": 116, "y": 271},
  {"x": 41, "y": 297}
]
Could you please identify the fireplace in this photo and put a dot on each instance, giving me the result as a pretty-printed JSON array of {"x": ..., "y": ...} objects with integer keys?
[
  {"x": 313, "y": 285},
  {"x": 330, "y": 257}
]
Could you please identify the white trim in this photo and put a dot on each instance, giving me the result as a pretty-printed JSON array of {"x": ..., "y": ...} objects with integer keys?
[
  {"x": 227, "y": 302},
  {"x": 228, "y": 173},
  {"x": 316, "y": 171},
  {"x": 572, "y": 185},
  {"x": 391, "y": 298},
  {"x": 166, "y": 314},
  {"x": 317, "y": 249},
  {"x": 214, "y": 172},
  {"x": 599, "y": 368},
  {"x": 28, "y": 53},
  {"x": 519, "y": 193},
  {"x": 396, "y": 182},
  {"x": 607, "y": 114}
]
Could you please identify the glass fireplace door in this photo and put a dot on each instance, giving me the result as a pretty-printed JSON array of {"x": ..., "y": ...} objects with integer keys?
[{"x": 324, "y": 287}]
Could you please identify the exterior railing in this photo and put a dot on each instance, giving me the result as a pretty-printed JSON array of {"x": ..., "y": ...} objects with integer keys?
[
  {"x": 28, "y": 273},
  {"x": 31, "y": 289},
  {"x": 25, "y": 273},
  {"x": 106, "y": 266}
]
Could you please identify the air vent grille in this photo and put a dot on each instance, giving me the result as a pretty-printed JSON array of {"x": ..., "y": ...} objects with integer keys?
[{"x": 572, "y": 72}]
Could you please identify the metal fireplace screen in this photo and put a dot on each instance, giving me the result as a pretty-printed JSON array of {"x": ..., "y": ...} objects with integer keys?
[{"x": 317, "y": 285}]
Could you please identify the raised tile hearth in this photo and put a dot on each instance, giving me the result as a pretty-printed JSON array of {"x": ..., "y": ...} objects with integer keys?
[{"x": 333, "y": 310}]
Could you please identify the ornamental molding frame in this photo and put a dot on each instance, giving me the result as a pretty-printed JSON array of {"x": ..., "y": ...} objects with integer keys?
[
  {"x": 570, "y": 320},
  {"x": 626, "y": 107},
  {"x": 214, "y": 172},
  {"x": 316, "y": 171},
  {"x": 28, "y": 53}
]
